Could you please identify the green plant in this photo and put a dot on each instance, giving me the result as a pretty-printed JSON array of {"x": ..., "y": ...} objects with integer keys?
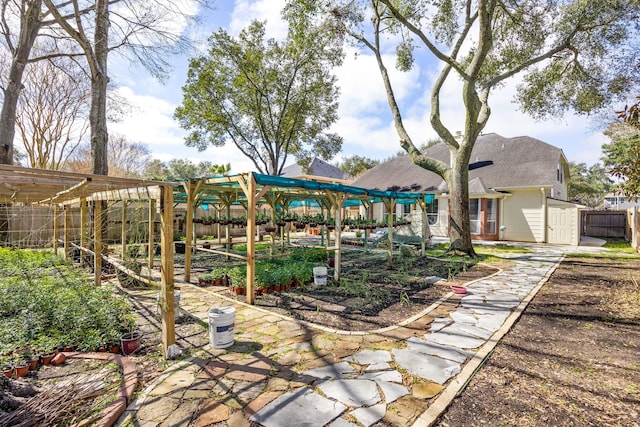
[
  {"x": 404, "y": 298},
  {"x": 48, "y": 303}
]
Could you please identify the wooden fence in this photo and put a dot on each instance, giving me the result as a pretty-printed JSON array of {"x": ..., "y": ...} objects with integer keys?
[
  {"x": 633, "y": 219},
  {"x": 604, "y": 223},
  {"x": 32, "y": 226}
]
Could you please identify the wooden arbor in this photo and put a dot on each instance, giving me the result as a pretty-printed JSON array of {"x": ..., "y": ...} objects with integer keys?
[
  {"x": 250, "y": 189},
  {"x": 23, "y": 187}
]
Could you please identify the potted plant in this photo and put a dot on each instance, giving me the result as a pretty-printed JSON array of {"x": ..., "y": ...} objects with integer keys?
[
  {"x": 206, "y": 279},
  {"x": 130, "y": 342},
  {"x": 7, "y": 367}
]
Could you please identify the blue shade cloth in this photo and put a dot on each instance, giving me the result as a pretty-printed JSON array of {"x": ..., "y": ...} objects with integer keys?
[{"x": 360, "y": 195}]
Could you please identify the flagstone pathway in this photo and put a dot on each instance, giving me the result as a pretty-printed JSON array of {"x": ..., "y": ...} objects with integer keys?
[{"x": 281, "y": 372}]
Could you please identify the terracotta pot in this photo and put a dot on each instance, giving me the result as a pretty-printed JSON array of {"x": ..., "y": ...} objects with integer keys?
[
  {"x": 21, "y": 370},
  {"x": 277, "y": 288},
  {"x": 45, "y": 359},
  {"x": 115, "y": 349},
  {"x": 58, "y": 359},
  {"x": 7, "y": 371},
  {"x": 130, "y": 342},
  {"x": 33, "y": 364}
]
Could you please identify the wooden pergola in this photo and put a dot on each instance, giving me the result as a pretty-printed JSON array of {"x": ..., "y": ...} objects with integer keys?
[
  {"x": 27, "y": 186},
  {"x": 61, "y": 190},
  {"x": 251, "y": 189}
]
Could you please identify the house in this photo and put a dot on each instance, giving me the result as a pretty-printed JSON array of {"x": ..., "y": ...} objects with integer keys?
[
  {"x": 517, "y": 188},
  {"x": 618, "y": 200},
  {"x": 319, "y": 170}
]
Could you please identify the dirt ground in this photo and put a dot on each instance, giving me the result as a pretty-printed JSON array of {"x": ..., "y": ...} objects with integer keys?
[
  {"x": 571, "y": 360},
  {"x": 370, "y": 295}
]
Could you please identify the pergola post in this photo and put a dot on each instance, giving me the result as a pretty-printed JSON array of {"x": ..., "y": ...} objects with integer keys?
[
  {"x": 338, "y": 246},
  {"x": 83, "y": 230},
  {"x": 390, "y": 204},
  {"x": 251, "y": 241},
  {"x": 337, "y": 200},
  {"x": 152, "y": 216},
  {"x": 55, "y": 229},
  {"x": 67, "y": 227},
  {"x": 227, "y": 230},
  {"x": 425, "y": 226},
  {"x": 365, "y": 244},
  {"x": 97, "y": 242},
  {"x": 166, "y": 244},
  {"x": 191, "y": 188},
  {"x": 123, "y": 230}
]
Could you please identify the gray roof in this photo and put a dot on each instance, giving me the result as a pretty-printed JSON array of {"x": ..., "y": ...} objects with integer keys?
[
  {"x": 496, "y": 163},
  {"x": 318, "y": 167}
]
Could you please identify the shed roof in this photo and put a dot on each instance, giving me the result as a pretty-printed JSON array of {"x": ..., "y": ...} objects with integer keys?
[{"x": 498, "y": 162}]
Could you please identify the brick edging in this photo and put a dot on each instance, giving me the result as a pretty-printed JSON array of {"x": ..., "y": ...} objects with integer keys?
[{"x": 111, "y": 413}]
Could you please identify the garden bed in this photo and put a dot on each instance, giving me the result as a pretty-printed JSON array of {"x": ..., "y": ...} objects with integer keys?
[{"x": 369, "y": 295}]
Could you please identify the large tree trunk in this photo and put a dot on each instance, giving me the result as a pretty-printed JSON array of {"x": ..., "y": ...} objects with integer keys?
[
  {"x": 459, "y": 226},
  {"x": 29, "y": 26},
  {"x": 99, "y": 81}
]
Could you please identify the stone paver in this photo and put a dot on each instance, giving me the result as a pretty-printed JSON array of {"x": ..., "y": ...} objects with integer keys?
[
  {"x": 354, "y": 393},
  {"x": 302, "y": 407},
  {"x": 271, "y": 375},
  {"x": 425, "y": 366},
  {"x": 370, "y": 415}
]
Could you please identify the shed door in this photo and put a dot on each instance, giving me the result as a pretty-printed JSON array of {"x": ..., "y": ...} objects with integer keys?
[{"x": 559, "y": 225}]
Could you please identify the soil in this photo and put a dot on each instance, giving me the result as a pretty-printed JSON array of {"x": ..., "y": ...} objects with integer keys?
[
  {"x": 371, "y": 295},
  {"x": 571, "y": 360}
]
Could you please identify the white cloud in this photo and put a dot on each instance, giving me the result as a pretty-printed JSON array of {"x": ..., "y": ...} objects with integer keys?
[
  {"x": 365, "y": 120},
  {"x": 151, "y": 122},
  {"x": 246, "y": 11}
]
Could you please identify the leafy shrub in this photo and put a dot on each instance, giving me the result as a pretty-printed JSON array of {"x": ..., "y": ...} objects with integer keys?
[{"x": 47, "y": 303}]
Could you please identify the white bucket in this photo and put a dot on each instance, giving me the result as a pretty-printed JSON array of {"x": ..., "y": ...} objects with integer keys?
[
  {"x": 221, "y": 323},
  {"x": 320, "y": 276}
]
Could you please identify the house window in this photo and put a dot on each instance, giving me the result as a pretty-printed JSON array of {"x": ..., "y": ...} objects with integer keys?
[
  {"x": 559, "y": 174},
  {"x": 474, "y": 215},
  {"x": 483, "y": 216},
  {"x": 432, "y": 212},
  {"x": 492, "y": 216}
]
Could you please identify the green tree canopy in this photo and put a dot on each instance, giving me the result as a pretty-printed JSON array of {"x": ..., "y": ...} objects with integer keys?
[
  {"x": 622, "y": 155},
  {"x": 588, "y": 184},
  {"x": 177, "y": 169},
  {"x": 572, "y": 55},
  {"x": 271, "y": 99},
  {"x": 357, "y": 165}
]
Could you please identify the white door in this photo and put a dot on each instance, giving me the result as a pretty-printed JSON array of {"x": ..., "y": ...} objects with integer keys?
[{"x": 560, "y": 227}]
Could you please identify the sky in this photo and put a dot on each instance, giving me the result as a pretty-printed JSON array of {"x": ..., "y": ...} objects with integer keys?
[{"x": 365, "y": 122}]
